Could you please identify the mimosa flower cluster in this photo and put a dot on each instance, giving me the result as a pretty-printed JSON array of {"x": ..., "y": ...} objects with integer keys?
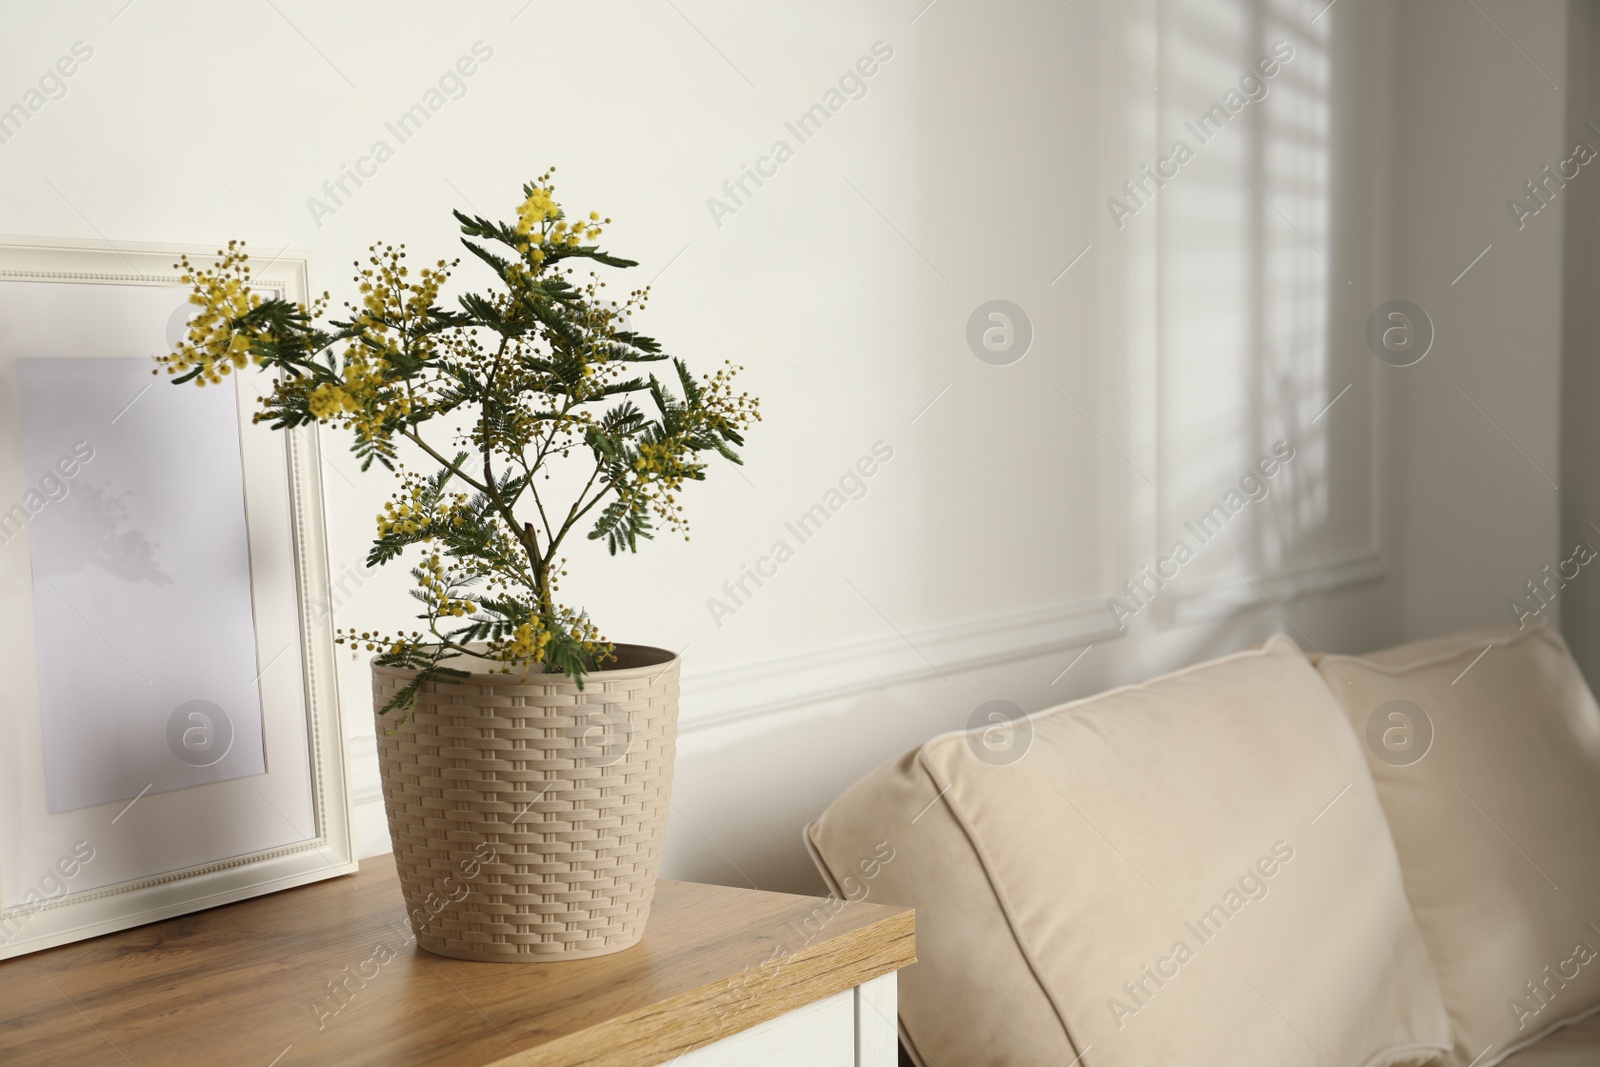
[{"x": 540, "y": 369}]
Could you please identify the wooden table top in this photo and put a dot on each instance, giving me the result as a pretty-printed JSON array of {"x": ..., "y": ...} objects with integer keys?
[{"x": 328, "y": 974}]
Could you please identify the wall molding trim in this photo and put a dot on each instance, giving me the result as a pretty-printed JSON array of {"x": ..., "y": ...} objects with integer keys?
[
  {"x": 715, "y": 698},
  {"x": 747, "y": 691},
  {"x": 1216, "y": 598}
]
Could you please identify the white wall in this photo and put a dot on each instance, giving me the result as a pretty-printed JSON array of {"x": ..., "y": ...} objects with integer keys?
[
  {"x": 1480, "y": 431},
  {"x": 1580, "y": 378},
  {"x": 1214, "y": 322}
]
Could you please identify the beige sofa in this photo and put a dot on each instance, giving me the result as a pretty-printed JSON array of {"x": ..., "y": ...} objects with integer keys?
[{"x": 1267, "y": 860}]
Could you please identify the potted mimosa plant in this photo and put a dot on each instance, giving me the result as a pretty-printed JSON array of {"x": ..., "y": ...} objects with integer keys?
[{"x": 526, "y": 758}]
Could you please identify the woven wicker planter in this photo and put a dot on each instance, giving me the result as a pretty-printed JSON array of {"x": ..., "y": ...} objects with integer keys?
[{"x": 527, "y": 816}]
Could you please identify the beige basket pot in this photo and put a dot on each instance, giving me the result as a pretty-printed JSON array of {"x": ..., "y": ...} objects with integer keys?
[{"x": 527, "y": 816}]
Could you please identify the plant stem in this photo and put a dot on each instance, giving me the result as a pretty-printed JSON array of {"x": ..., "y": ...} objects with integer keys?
[
  {"x": 416, "y": 439},
  {"x": 574, "y": 514}
]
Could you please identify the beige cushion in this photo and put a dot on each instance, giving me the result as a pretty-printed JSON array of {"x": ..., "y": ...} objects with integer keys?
[
  {"x": 1192, "y": 870},
  {"x": 1497, "y": 825}
]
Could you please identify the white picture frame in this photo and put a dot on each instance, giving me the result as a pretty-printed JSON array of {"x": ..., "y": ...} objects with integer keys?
[{"x": 186, "y": 847}]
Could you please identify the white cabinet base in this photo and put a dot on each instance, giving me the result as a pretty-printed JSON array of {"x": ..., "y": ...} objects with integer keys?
[{"x": 855, "y": 1028}]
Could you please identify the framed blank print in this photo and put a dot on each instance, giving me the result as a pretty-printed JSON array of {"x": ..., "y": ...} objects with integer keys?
[{"x": 169, "y": 730}]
